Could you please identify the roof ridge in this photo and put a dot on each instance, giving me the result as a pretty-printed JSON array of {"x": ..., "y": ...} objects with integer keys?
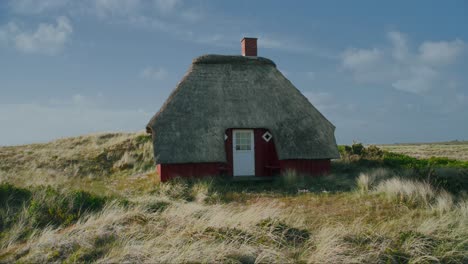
[{"x": 232, "y": 59}]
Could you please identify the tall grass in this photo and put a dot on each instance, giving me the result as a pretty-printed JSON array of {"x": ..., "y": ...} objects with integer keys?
[
  {"x": 60, "y": 162},
  {"x": 408, "y": 191},
  {"x": 177, "y": 222}
]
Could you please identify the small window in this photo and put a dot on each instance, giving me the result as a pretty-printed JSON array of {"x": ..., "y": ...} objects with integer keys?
[{"x": 243, "y": 140}]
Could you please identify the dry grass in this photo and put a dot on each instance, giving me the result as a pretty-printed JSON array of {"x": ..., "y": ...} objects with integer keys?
[
  {"x": 452, "y": 150},
  {"x": 377, "y": 217},
  {"x": 96, "y": 159},
  {"x": 304, "y": 228}
]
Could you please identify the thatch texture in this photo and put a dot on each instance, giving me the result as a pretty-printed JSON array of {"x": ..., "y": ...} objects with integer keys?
[{"x": 221, "y": 92}]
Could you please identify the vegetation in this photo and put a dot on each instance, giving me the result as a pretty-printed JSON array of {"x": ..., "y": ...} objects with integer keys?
[
  {"x": 457, "y": 150},
  {"x": 375, "y": 207},
  {"x": 438, "y": 171}
]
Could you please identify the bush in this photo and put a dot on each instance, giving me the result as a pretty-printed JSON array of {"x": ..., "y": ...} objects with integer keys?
[
  {"x": 357, "y": 148},
  {"x": 142, "y": 139},
  {"x": 357, "y": 152},
  {"x": 12, "y": 196},
  {"x": 50, "y": 207},
  {"x": 12, "y": 200},
  {"x": 373, "y": 152}
]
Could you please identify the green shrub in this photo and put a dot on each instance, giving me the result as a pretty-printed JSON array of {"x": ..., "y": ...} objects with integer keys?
[
  {"x": 12, "y": 196},
  {"x": 357, "y": 148},
  {"x": 373, "y": 152},
  {"x": 396, "y": 160},
  {"x": 141, "y": 139},
  {"x": 400, "y": 160},
  {"x": 12, "y": 200},
  {"x": 50, "y": 207}
]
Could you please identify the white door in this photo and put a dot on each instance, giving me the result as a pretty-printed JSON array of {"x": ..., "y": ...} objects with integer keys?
[{"x": 243, "y": 152}]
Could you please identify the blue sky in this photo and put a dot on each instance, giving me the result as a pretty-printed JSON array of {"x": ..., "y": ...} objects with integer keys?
[{"x": 382, "y": 72}]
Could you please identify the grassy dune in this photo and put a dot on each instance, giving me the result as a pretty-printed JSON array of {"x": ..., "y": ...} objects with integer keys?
[
  {"x": 102, "y": 163},
  {"x": 454, "y": 150},
  {"x": 96, "y": 199}
]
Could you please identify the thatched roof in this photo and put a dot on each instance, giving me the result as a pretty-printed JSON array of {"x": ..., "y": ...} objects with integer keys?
[{"x": 220, "y": 92}]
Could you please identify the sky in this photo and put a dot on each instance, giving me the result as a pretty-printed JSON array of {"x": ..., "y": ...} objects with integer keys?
[{"x": 380, "y": 71}]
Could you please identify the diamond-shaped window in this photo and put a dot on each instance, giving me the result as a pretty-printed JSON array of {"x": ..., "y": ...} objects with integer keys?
[
  {"x": 225, "y": 137},
  {"x": 267, "y": 136}
]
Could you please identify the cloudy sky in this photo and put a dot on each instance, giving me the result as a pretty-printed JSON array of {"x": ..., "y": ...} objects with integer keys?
[{"x": 382, "y": 72}]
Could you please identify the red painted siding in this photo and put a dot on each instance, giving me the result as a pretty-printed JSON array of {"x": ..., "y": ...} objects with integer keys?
[
  {"x": 306, "y": 166},
  {"x": 188, "y": 170},
  {"x": 266, "y": 159},
  {"x": 266, "y": 162}
]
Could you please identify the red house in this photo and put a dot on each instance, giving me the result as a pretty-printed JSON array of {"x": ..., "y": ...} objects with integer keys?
[{"x": 239, "y": 116}]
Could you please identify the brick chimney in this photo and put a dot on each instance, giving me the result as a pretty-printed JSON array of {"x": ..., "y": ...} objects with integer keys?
[{"x": 249, "y": 46}]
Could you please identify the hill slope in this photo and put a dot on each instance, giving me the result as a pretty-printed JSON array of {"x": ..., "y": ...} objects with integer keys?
[{"x": 97, "y": 159}]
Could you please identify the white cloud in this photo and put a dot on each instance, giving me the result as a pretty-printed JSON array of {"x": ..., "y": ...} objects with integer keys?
[
  {"x": 421, "y": 79},
  {"x": 366, "y": 65},
  {"x": 321, "y": 100},
  {"x": 360, "y": 59},
  {"x": 328, "y": 105},
  {"x": 400, "y": 49},
  {"x": 7, "y": 31},
  {"x": 398, "y": 67},
  {"x": 113, "y": 8},
  {"x": 47, "y": 39},
  {"x": 173, "y": 17},
  {"x": 340, "y": 114},
  {"x": 154, "y": 73},
  {"x": 166, "y": 6},
  {"x": 36, "y": 6},
  {"x": 442, "y": 52}
]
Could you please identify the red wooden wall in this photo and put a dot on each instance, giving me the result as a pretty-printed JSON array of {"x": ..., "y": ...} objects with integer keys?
[
  {"x": 306, "y": 166},
  {"x": 187, "y": 170},
  {"x": 266, "y": 162}
]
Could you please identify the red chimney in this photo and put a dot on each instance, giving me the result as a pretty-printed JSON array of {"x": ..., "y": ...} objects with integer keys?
[{"x": 249, "y": 46}]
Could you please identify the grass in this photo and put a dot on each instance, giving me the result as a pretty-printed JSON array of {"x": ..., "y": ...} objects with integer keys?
[
  {"x": 455, "y": 150},
  {"x": 181, "y": 223},
  {"x": 86, "y": 157},
  {"x": 368, "y": 210}
]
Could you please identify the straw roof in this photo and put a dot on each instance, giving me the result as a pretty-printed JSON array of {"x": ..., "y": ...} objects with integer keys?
[{"x": 220, "y": 92}]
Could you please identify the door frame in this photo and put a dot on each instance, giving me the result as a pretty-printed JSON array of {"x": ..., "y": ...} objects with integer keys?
[{"x": 233, "y": 148}]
